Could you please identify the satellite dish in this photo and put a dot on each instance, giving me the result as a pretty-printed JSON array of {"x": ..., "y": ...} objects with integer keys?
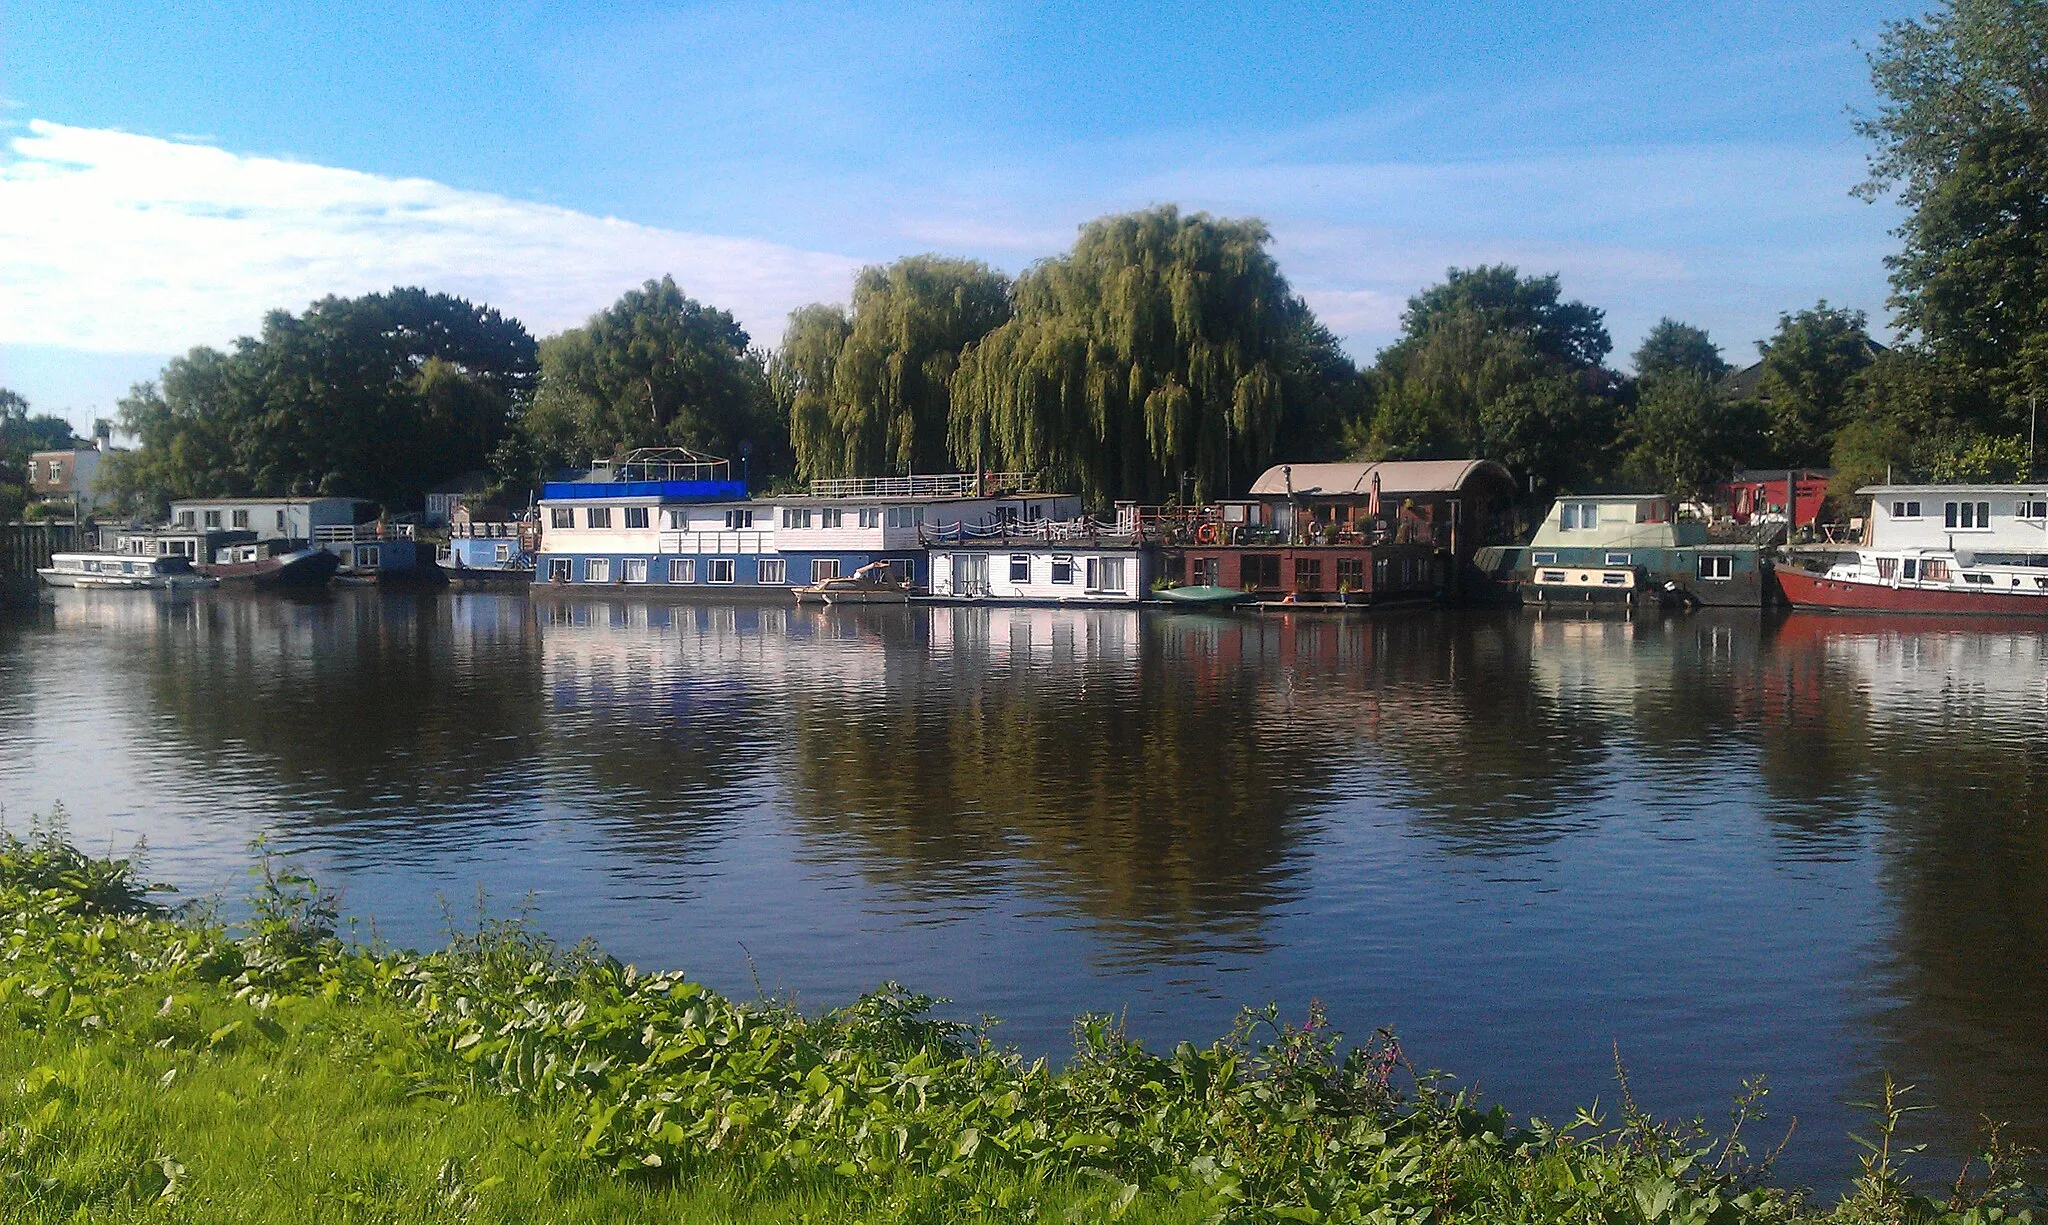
[{"x": 1965, "y": 557}]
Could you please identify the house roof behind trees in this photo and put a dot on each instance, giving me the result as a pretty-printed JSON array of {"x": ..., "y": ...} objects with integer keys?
[{"x": 1396, "y": 477}]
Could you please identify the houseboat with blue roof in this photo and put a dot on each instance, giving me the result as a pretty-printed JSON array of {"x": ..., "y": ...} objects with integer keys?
[{"x": 674, "y": 521}]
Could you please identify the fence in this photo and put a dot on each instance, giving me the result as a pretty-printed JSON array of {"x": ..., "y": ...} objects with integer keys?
[{"x": 26, "y": 547}]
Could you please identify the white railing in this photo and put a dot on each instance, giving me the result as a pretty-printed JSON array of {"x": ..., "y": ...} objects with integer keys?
[
  {"x": 933, "y": 485},
  {"x": 716, "y": 542},
  {"x": 484, "y": 531},
  {"x": 362, "y": 533}
]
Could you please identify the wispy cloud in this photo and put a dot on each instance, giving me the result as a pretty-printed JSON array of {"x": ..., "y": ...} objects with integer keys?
[{"x": 113, "y": 242}]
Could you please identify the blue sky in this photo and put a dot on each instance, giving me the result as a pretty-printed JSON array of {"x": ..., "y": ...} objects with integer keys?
[{"x": 169, "y": 172}]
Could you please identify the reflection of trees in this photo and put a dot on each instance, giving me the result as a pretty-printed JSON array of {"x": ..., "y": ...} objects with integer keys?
[
  {"x": 1944, "y": 726},
  {"x": 1152, "y": 795}
]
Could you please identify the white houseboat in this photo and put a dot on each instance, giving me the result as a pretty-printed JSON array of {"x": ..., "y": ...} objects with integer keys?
[
  {"x": 1077, "y": 561},
  {"x": 121, "y": 572},
  {"x": 1953, "y": 549}
]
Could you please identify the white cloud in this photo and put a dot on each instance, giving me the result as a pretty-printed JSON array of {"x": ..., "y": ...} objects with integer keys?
[{"x": 112, "y": 242}]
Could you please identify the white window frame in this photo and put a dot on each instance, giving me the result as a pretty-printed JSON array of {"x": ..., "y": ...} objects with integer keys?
[
  {"x": 1906, "y": 510},
  {"x": 713, "y": 566},
  {"x": 1543, "y": 559},
  {"x": 213, "y": 518},
  {"x": 1715, "y": 567},
  {"x": 870, "y": 516},
  {"x": 1619, "y": 559},
  {"x": 823, "y": 568},
  {"x": 636, "y": 512},
  {"x": 831, "y": 516},
  {"x": 597, "y": 569},
  {"x": 682, "y": 570},
  {"x": 1063, "y": 561},
  {"x": 634, "y": 570},
  {"x": 796, "y": 517},
  {"x": 502, "y": 551},
  {"x": 561, "y": 569},
  {"x": 240, "y": 519},
  {"x": 678, "y": 520},
  {"x": 1099, "y": 570},
  {"x": 902, "y": 516},
  {"x": 562, "y": 518},
  {"x": 739, "y": 518},
  {"x": 1017, "y": 561},
  {"x": 771, "y": 572},
  {"x": 369, "y": 556}
]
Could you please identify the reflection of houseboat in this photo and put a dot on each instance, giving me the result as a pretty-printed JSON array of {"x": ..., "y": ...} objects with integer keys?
[
  {"x": 1624, "y": 548},
  {"x": 1381, "y": 533},
  {"x": 1955, "y": 549},
  {"x": 121, "y": 572}
]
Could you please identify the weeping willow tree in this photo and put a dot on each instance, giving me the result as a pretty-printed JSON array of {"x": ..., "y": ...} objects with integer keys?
[
  {"x": 869, "y": 392},
  {"x": 1161, "y": 347}
]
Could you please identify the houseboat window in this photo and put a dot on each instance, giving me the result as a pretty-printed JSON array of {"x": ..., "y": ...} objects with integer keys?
[
  {"x": 793, "y": 517},
  {"x": 1308, "y": 574},
  {"x": 1612, "y": 579},
  {"x": 1259, "y": 570},
  {"x": 899, "y": 569},
  {"x": 870, "y": 517},
  {"x": 1967, "y": 515},
  {"x": 184, "y": 518},
  {"x": 1579, "y": 516},
  {"x": 678, "y": 520},
  {"x": 1020, "y": 567},
  {"x": 738, "y": 519},
  {"x": 1233, "y": 514},
  {"x": 1887, "y": 567},
  {"x": 597, "y": 570},
  {"x": 1716, "y": 566},
  {"x": 501, "y": 552},
  {"x": 241, "y": 518},
  {"x": 1905, "y": 510},
  {"x": 718, "y": 570},
  {"x": 823, "y": 568},
  {"x": 1350, "y": 573},
  {"x": 280, "y": 519},
  {"x": 597, "y": 516},
  {"x": 1976, "y": 578},
  {"x": 773, "y": 570},
  {"x": 1618, "y": 559},
  {"x": 682, "y": 570},
  {"x": 558, "y": 569},
  {"x": 1062, "y": 568},
  {"x": 1934, "y": 571},
  {"x": 903, "y": 516},
  {"x": 2030, "y": 510},
  {"x": 830, "y": 516},
  {"x": 1909, "y": 568},
  {"x": 1543, "y": 559},
  {"x": 561, "y": 517},
  {"x": 213, "y": 518},
  {"x": 636, "y": 516},
  {"x": 369, "y": 556},
  {"x": 1550, "y": 576},
  {"x": 1651, "y": 512},
  {"x": 1105, "y": 574},
  {"x": 1203, "y": 571},
  {"x": 636, "y": 569},
  {"x": 1036, "y": 511}
]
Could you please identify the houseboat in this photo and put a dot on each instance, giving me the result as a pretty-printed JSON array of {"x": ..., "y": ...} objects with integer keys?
[
  {"x": 490, "y": 548},
  {"x": 121, "y": 572},
  {"x": 1623, "y": 548},
  {"x": 1048, "y": 561},
  {"x": 376, "y": 553},
  {"x": 1338, "y": 534},
  {"x": 1949, "y": 549},
  {"x": 674, "y": 522}
]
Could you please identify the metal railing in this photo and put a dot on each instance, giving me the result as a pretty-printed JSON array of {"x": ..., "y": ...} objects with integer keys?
[
  {"x": 715, "y": 542},
  {"x": 363, "y": 533},
  {"x": 933, "y": 485}
]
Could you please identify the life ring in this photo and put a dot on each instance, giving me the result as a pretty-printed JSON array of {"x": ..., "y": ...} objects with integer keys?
[{"x": 1207, "y": 534}]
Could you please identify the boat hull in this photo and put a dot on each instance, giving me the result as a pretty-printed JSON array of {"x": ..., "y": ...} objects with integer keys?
[
  {"x": 1201, "y": 596},
  {"x": 306, "y": 568},
  {"x": 1817, "y": 591}
]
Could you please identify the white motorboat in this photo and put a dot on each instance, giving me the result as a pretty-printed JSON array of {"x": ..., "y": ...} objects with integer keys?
[{"x": 122, "y": 572}]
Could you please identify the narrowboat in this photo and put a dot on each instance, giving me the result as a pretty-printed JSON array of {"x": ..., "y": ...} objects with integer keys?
[{"x": 121, "y": 572}]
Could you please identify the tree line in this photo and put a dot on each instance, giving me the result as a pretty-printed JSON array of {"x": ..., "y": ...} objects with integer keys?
[{"x": 1165, "y": 355}]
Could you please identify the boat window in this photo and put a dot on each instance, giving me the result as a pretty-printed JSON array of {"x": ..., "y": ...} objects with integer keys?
[
  {"x": 1716, "y": 566},
  {"x": 1106, "y": 574},
  {"x": 870, "y": 517},
  {"x": 1020, "y": 567},
  {"x": 597, "y": 570},
  {"x": 718, "y": 570},
  {"x": 558, "y": 570},
  {"x": 1909, "y": 568},
  {"x": 561, "y": 517},
  {"x": 771, "y": 570},
  {"x": 1618, "y": 559},
  {"x": 1887, "y": 567},
  {"x": 1934, "y": 571},
  {"x": 1062, "y": 568},
  {"x": 1350, "y": 573},
  {"x": 1308, "y": 574},
  {"x": 796, "y": 517},
  {"x": 738, "y": 519},
  {"x": 636, "y": 516},
  {"x": 1256, "y": 570},
  {"x": 1905, "y": 510},
  {"x": 1614, "y": 580},
  {"x": 213, "y": 518},
  {"x": 2033, "y": 510},
  {"x": 636, "y": 569},
  {"x": 1977, "y": 578},
  {"x": 241, "y": 518},
  {"x": 1550, "y": 576},
  {"x": 823, "y": 568},
  {"x": 903, "y": 516},
  {"x": 830, "y": 516},
  {"x": 1544, "y": 559},
  {"x": 597, "y": 516}
]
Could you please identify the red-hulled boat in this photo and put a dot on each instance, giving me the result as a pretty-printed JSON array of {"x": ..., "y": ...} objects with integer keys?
[{"x": 1920, "y": 581}]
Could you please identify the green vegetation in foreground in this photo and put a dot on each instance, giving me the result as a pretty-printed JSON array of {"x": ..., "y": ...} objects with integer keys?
[{"x": 157, "y": 1067}]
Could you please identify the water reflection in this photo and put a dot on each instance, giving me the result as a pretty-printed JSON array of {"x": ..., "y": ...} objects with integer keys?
[{"x": 1811, "y": 848}]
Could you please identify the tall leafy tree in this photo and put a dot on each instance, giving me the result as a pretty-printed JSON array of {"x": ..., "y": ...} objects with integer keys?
[
  {"x": 1672, "y": 346},
  {"x": 1809, "y": 380},
  {"x": 1961, "y": 133},
  {"x": 22, "y": 434},
  {"x": 1493, "y": 363},
  {"x": 1683, "y": 436},
  {"x": 882, "y": 400},
  {"x": 1164, "y": 347},
  {"x": 657, "y": 368},
  {"x": 379, "y": 397}
]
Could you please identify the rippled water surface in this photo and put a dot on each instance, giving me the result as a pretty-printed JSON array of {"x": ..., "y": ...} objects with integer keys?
[{"x": 1808, "y": 848}]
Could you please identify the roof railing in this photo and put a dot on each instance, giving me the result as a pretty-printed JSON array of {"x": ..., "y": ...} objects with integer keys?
[{"x": 930, "y": 485}]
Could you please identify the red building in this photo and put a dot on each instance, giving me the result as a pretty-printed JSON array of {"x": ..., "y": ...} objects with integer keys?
[{"x": 1752, "y": 495}]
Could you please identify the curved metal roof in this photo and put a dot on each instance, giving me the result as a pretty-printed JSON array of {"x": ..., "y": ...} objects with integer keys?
[{"x": 1396, "y": 476}]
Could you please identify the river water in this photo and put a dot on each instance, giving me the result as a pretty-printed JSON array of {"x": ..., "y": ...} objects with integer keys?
[{"x": 1807, "y": 848}]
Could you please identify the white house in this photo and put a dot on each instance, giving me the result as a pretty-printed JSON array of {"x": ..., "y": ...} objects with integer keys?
[
  {"x": 1080, "y": 571},
  {"x": 269, "y": 518},
  {"x": 1982, "y": 519}
]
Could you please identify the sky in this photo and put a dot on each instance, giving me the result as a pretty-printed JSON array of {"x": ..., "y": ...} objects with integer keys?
[{"x": 170, "y": 172}]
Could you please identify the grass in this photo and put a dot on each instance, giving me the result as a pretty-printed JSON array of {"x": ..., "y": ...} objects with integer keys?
[{"x": 156, "y": 1066}]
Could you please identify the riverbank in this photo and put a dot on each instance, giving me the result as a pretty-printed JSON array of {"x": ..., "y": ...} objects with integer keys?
[{"x": 156, "y": 1065}]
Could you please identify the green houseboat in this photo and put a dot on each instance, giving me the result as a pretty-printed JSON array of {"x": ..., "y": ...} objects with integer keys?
[{"x": 1623, "y": 548}]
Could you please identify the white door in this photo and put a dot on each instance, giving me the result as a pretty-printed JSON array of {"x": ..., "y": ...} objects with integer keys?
[{"x": 970, "y": 574}]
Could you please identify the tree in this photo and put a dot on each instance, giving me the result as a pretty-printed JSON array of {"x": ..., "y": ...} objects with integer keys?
[
  {"x": 1809, "y": 379},
  {"x": 1674, "y": 346},
  {"x": 378, "y": 397},
  {"x": 1163, "y": 346},
  {"x": 657, "y": 368},
  {"x": 1494, "y": 363},
  {"x": 1682, "y": 436},
  {"x": 881, "y": 400},
  {"x": 1961, "y": 133},
  {"x": 21, "y": 435}
]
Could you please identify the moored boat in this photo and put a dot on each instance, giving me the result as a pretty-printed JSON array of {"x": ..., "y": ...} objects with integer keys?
[
  {"x": 1202, "y": 596},
  {"x": 870, "y": 584},
  {"x": 1946, "y": 582},
  {"x": 121, "y": 572},
  {"x": 249, "y": 565}
]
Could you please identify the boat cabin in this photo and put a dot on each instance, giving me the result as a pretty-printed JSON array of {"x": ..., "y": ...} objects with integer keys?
[{"x": 1999, "y": 522}]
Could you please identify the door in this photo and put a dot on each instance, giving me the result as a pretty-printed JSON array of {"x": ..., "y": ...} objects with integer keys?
[{"x": 970, "y": 574}]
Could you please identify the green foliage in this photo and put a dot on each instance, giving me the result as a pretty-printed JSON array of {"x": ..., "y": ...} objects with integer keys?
[
  {"x": 1683, "y": 436},
  {"x": 378, "y": 397},
  {"x": 656, "y": 368},
  {"x": 1161, "y": 347},
  {"x": 1497, "y": 364},
  {"x": 1980, "y": 457},
  {"x": 871, "y": 393},
  {"x": 1961, "y": 132},
  {"x": 1673, "y": 347},
  {"x": 22, "y": 434},
  {"x": 1809, "y": 380},
  {"x": 158, "y": 1067}
]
